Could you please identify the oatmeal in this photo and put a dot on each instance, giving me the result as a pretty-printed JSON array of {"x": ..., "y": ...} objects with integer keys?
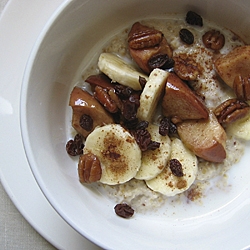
[{"x": 157, "y": 91}]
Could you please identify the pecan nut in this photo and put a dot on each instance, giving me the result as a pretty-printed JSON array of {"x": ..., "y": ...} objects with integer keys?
[
  {"x": 104, "y": 98},
  {"x": 241, "y": 87},
  {"x": 231, "y": 110},
  {"x": 89, "y": 168},
  {"x": 142, "y": 37},
  {"x": 213, "y": 39},
  {"x": 186, "y": 67}
]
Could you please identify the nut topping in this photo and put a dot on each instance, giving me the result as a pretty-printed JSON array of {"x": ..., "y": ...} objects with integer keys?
[
  {"x": 89, "y": 168},
  {"x": 104, "y": 98},
  {"x": 241, "y": 87},
  {"x": 186, "y": 68},
  {"x": 142, "y": 37},
  {"x": 213, "y": 39},
  {"x": 231, "y": 110}
]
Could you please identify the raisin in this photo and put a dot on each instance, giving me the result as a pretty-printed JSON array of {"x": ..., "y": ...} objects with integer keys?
[
  {"x": 176, "y": 168},
  {"x": 194, "y": 18},
  {"x": 186, "y": 36},
  {"x": 86, "y": 122},
  {"x": 162, "y": 61},
  {"x": 124, "y": 210},
  {"x": 167, "y": 127},
  {"x": 142, "y": 125},
  {"x": 75, "y": 147},
  {"x": 122, "y": 91},
  {"x": 143, "y": 138},
  {"x": 153, "y": 145},
  {"x": 130, "y": 107}
]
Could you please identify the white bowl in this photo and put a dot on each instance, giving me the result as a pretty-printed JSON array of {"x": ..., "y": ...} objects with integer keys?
[{"x": 75, "y": 32}]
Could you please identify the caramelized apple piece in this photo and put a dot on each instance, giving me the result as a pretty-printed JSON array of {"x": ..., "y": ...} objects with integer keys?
[
  {"x": 180, "y": 102},
  {"x": 84, "y": 104},
  {"x": 144, "y": 43},
  {"x": 235, "y": 63},
  {"x": 206, "y": 138}
]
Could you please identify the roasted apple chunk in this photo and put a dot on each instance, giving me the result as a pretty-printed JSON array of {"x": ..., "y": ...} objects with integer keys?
[
  {"x": 180, "y": 102},
  {"x": 88, "y": 113},
  {"x": 206, "y": 138},
  {"x": 235, "y": 63}
]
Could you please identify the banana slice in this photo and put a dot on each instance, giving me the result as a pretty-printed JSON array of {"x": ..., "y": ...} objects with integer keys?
[
  {"x": 117, "y": 151},
  {"x": 169, "y": 184},
  {"x": 151, "y": 94},
  {"x": 154, "y": 161},
  {"x": 240, "y": 128},
  {"x": 119, "y": 71}
]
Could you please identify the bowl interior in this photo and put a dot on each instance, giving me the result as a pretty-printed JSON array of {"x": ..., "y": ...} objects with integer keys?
[{"x": 69, "y": 43}]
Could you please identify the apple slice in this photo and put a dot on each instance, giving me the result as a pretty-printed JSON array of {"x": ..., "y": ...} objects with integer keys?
[
  {"x": 83, "y": 103},
  {"x": 146, "y": 42},
  {"x": 180, "y": 102},
  {"x": 235, "y": 63},
  {"x": 206, "y": 138}
]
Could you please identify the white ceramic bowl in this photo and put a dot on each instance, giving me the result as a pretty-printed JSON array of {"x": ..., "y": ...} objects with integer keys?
[{"x": 75, "y": 31}]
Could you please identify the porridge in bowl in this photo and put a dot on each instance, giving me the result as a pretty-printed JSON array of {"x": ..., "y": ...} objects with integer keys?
[{"x": 161, "y": 112}]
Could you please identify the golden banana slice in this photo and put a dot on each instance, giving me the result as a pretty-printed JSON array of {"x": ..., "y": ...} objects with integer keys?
[
  {"x": 154, "y": 161},
  {"x": 151, "y": 94},
  {"x": 167, "y": 182},
  {"x": 117, "y": 151},
  {"x": 120, "y": 71}
]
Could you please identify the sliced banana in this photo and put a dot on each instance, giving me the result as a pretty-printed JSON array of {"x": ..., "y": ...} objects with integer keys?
[
  {"x": 117, "y": 151},
  {"x": 154, "y": 161},
  {"x": 240, "y": 128},
  {"x": 119, "y": 71},
  {"x": 151, "y": 94},
  {"x": 169, "y": 184}
]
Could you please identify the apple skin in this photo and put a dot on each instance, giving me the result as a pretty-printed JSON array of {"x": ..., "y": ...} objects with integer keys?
[
  {"x": 206, "y": 138},
  {"x": 179, "y": 101},
  {"x": 84, "y": 103}
]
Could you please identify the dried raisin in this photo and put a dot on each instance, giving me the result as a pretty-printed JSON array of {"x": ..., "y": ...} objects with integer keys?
[
  {"x": 124, "y": 210},
  {"x": 176, "y": 167},
  {"x": 162, "y": 61},
  {"x": 86, "y": 122},
  {"x": 186, "y": 36},
  {"x": 194, "y": 18}
]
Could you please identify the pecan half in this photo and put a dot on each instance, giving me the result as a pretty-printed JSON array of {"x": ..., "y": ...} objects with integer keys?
[
  {"x": 89, "y": 168},
  {"x": 142, "y": 37},
  {"x": 213, "y": 39},
  {"x": 186, "y": 67},
  {"x": 104, "y": 98},
  {"x": 231, "y": 110},
  {"x": 241, "y": 87}
]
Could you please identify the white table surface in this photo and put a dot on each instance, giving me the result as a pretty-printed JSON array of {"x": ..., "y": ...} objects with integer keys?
[{"x": 15, "y": 231}]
